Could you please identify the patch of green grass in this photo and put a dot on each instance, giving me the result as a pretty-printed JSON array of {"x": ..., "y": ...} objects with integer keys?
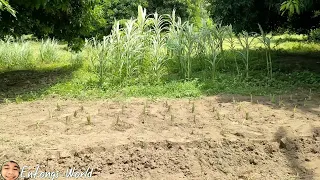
[{"x": 294, "y": 68}]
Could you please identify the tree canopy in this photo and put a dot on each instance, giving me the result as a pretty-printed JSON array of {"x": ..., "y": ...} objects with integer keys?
[{"x": 73, "y": 20}]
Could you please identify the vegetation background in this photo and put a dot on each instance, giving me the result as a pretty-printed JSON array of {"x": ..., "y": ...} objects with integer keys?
[{"x": 88, "y": 48}]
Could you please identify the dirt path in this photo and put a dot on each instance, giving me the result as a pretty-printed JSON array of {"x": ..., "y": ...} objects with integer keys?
[{"x": 208, "y": 138}]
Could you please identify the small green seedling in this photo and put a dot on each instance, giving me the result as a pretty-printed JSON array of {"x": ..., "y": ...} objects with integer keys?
[
  {"x": 247, "y": 116},
  {"x": 75, "y": 114},
  {"x": 218, "y": 116},
  {"x": 273, "y": 100},
  {"x": 233, "y": 100},
  {"x": 144, "y": 109},
  {"x": 58, "y": 107},
  {"x": 118, "y": 119},
  {"x": 122, "y": 109},
  {"x": 172, "y": 118},
  {"x": 238, "y": 107},
  {"x": 310, "y": 95},
  {"x": 294, "y": 111},
  {"x": 18, "y": 99},
  {"x": 68, "y": 118},
  {"x": 50, "y": 114},
  {"x": 89, "y": 122},
  {"x": 193, "y": 108},
  {"x": 7, "y": 101},
  {"x": 38, "y": 125},
  {"x": 280, "y": 101}
]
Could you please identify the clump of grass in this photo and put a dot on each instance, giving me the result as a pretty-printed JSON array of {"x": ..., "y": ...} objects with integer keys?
[
  {"x": 18, "y": 99},
  {"x": 77, "y": 59},
  {"x": 272, "y": 98},
  {"x": 49, "y": 51},
  {"x": 16, "y": 55},
  {"x": 7, "y": 101},
  {"x": 281, "y": 103}
]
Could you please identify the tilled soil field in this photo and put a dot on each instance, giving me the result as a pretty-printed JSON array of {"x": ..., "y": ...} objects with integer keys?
[{"x": 220, "y": 137}]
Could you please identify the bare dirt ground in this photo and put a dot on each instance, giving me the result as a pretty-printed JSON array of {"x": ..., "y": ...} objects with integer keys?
[{"x": 220, "y": 137}]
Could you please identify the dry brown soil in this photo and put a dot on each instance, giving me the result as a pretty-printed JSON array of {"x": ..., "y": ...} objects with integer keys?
[{"x": 219, "y": 137}]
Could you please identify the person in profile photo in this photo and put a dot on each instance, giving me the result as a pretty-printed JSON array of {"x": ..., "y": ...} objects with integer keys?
[{"x": 10, "y": 170}]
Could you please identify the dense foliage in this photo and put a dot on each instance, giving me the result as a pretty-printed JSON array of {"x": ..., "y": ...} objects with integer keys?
[
  {"x": 244, "y": 15},
  {"x": 74, "y": 20},
  {"x": 4, "y": 5}
]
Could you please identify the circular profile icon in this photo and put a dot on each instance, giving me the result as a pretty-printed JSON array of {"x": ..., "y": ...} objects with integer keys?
[{"x": 10, "y": 170}]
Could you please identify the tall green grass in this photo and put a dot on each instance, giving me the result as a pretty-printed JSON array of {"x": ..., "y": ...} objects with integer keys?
[
  {"x": 147, "y": 49},
  {"x": 16, "y": 54},
  {"x": 22, "y": 53},
  {"x": 160, "y": 51}
]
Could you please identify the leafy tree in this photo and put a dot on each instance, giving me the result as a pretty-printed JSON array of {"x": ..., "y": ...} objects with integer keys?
[
  {"x": 4, "y": 5},
  {"x": 295, "y": 6},
  {"x": 246, "y": 14},
  {"x": 63, "y": 19}
]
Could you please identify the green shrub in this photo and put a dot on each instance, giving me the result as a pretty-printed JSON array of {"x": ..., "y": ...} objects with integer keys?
[
  {"x": 49, "y": 51},
  {"x": 15, "y": 54},
  {"x": 315, "y": 34}
]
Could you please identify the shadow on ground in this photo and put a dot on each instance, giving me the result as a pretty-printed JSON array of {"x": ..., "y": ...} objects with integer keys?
[
  {"x": 26, "y": 83},
  {"x": 290, "y": 62},
  {"x": 289, "y": 147},
  {"x": 289, "y": 39}
]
